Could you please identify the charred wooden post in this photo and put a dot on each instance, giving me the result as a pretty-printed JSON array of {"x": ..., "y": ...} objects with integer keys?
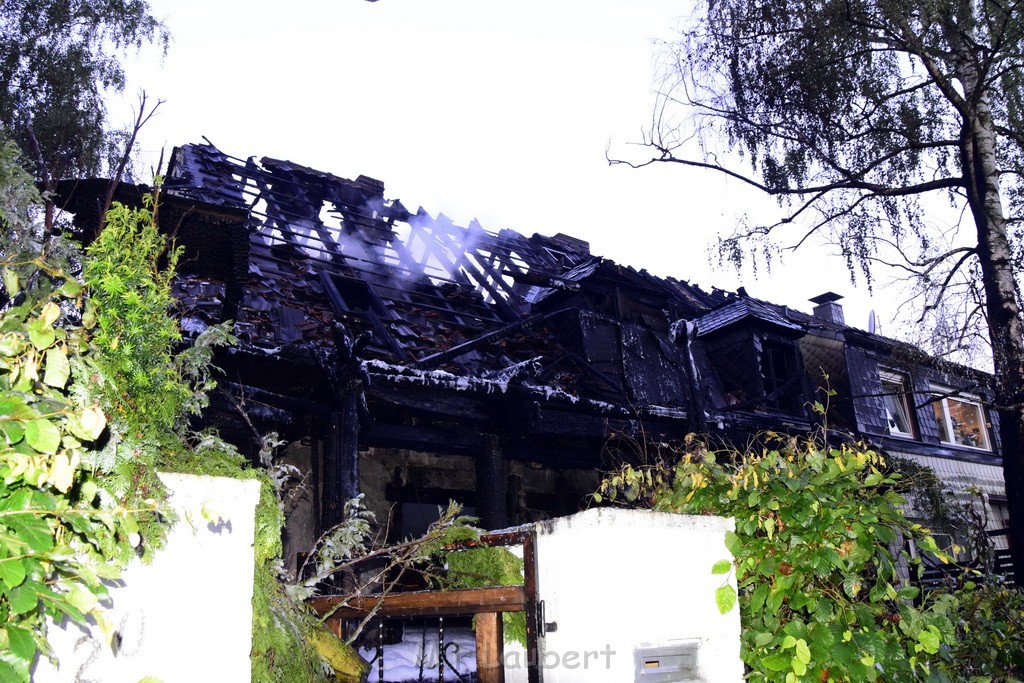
[
  {"x": 491, "y": 485},
  {"x": 341, "y": 451}
]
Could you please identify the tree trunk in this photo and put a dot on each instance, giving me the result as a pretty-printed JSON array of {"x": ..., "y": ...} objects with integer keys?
[{"x": 1006, "y": 330}]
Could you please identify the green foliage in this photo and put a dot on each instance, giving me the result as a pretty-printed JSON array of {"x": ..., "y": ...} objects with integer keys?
[
  {"x": 84, "y": 426},
  {"x": 59, "y": 58},
  {"x": 129, "y": 316},
  {"x": 820, "y": 589},
  {"x": 61, "y": 533},
  {"x": 990, "y": 629},
  {"x": 20, "y": 234},
  {"x": 960, "y": 516},
  {"x": 485, "y": 567},
  {"x": 282, "y": 625}
]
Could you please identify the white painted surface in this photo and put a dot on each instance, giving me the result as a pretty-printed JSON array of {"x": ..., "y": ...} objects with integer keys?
[
  {"x": 961, "y": 474},
  {"x": 187, "y": 616},
  {"x": 617, "y": 580}
]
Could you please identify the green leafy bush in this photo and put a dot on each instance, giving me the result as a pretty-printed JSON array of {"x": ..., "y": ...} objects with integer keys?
[
  {"x": 821, "y": 593},
  {"x": 61, "y": 533},
  {"x": 990, "y": 630},
  {"x": 94, "y": 396}
]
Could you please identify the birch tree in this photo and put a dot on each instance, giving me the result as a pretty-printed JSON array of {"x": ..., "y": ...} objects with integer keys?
[
  {"x": 58, "y": 60},
  {"x": 860, "y": 115}
]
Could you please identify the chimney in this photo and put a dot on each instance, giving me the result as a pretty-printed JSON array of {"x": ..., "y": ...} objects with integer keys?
[{"x": 828, "y": 308}]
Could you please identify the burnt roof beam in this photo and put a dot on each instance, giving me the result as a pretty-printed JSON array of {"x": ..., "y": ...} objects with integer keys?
[
  {"x": 436, "y": 359},
  {"x": 462, "y": 264}
]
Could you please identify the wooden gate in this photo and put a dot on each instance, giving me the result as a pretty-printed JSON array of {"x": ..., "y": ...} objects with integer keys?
[{"x": 486, "y": 604}]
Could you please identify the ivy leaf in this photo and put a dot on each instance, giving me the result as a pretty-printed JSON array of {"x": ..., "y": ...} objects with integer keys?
[
  {"x": 57, "y": 368},
  {"x": 21, "y": 642},
  {"x": 725, "y": 598},
  {"x": 42, "y": 435},
  {"x": 32, "y": 530},
  {"x": 24, "y": 598},
  {"x": 721, "y": 567},
  {"x": 87, "y": 424},
  {"x": 12, "y": 571},
  {"x": 40, "y": 334}
]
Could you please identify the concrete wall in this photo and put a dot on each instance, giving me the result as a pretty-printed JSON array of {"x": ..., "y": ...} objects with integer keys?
[
  {"x": 621, "y": 582},
  {"x": 187, "y": 616}
]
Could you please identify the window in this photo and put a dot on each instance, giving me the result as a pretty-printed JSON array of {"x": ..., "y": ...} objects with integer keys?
[
  {"x": 961, "y": 421},
  {"x": 780, "y": 370},
  {"x": 897, "y": 407}
]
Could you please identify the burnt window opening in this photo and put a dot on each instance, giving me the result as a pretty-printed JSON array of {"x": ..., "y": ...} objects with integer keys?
[
  {"x": 354, "y": 297},
  {"x": 756, "y": 370},
  {"x": 780, "y": 370}
]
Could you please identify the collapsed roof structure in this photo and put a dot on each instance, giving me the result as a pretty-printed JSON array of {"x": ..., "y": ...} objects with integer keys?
[{"x": 414, "y": 360}]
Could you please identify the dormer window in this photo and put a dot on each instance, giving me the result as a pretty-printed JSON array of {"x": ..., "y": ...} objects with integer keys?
[
  {"x": 780, "y": 369},
  {"x": 754, "y": 350},
  {"x": 961, "y": 421},
  {"x": 897, "y": 406}
]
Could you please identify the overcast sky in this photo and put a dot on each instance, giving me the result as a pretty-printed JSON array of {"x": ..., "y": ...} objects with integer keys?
[{"x": 500, "y": 111}]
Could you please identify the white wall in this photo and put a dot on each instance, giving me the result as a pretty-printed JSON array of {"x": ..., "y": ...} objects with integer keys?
[
  {"x": 617, "y": 580},
  {"x": 187, "y": 616}
]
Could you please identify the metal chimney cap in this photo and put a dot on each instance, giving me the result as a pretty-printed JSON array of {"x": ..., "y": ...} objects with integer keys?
[{"x": 826, "y": 298}]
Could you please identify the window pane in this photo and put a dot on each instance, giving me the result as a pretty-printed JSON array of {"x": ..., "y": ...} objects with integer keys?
[
  {"x": 895, "y": 397},
  {"x": 940, "y": 420},
  {"x": 968, "y": 422}
]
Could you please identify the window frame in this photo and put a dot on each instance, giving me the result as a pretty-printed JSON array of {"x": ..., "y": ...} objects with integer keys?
[
  {"x": 902, "y": 397},
  {"x": 946, "y": 428}
]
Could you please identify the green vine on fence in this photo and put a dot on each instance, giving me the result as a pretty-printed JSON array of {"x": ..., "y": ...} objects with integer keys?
[{"x": 819, "y": 559}]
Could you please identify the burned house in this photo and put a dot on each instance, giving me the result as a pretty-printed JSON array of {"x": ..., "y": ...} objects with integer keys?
[{"x": 415, "y": 361}]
